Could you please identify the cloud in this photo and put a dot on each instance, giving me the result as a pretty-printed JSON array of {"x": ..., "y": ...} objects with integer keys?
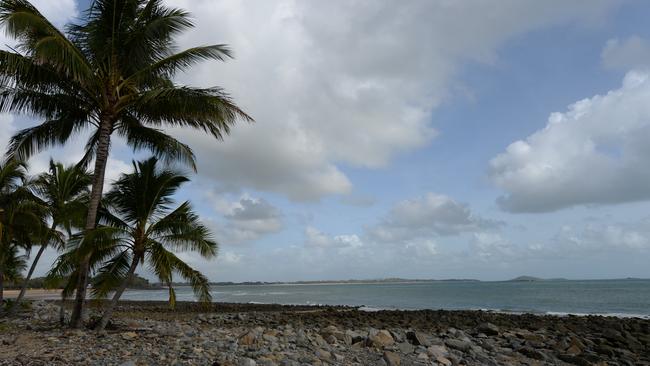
[
  {"x": 605, "y": 237},
  {"x": 317, "y": 239},
  {"x": 630, "y": 53},
  {"x": 358, "y": 200},
  {"x": 429, "y": 216},
  {"x": 594, "y": 153},
  {"x": 7, "y": 129},
  {"x": 343, "y": 83},
  {"x": 245, "y": 220},
  {"x": 59, "y": 12}
]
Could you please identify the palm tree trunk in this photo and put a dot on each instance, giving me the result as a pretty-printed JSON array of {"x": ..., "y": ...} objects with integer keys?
[
  {"x": 62, "y": 311},
  {"x": 23, "y": 288},
  {"x": 103, "y": 145},
  {"x": 116, "y": 297},
  {"x": 2, "y": 288}
]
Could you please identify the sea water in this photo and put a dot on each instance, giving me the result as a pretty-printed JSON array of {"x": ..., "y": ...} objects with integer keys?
[{"x": 605, "y": 297}]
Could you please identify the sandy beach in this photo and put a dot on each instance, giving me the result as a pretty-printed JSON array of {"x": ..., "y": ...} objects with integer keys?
[
  {"x": 35, "y": 294},
  {"x": 150, "y": 333}
]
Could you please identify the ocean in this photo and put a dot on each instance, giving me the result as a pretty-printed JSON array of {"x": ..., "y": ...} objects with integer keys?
[{"x": 604, "y": 297}]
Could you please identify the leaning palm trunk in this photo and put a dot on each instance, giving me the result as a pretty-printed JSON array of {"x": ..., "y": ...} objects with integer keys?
[
  {"x": 23, "y": 288},
  {"x": 108, "y": 313},
  {"x": 76, "y": 319},
  {"x": 2, "y": 288}
]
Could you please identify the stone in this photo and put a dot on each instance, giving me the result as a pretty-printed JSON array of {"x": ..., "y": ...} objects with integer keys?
[
  {"x": 323, "y": 355},
  {"x": 380, "y": 339},
  {"x": 406, "y": 348},
  {"x": 532, "y": 353},
  {"x": 573, "y": 350},
  {"x": 392, "y": 358},
  {"x": 458, "y": 344},
  {"x": 248, "y": 339},
  {"x": 129, "y": 336},
  {"x": 418, "y": 338},
  {"x": 436, "y": 351},
  {"x": 352, "y": 337},
  {"x": 443, "y": 361},
  {"x": 245, "y": 361},
  {"x": 488, "y": 328}
]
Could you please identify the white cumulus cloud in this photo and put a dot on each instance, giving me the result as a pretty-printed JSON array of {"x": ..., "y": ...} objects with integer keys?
[{"x": 594, "y": 153}]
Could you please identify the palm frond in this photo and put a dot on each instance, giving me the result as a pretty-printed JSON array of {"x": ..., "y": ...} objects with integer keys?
[
  {"x": 160, "y": 144},
  {"x": 207, "y": 109},
  {"x": 43, "y": 40},
  {"x": 164, "y": 263}
]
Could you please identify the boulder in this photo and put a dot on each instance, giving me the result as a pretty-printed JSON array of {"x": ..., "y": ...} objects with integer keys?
[
  {"x": 488, "y": 329},
  {"x": 381, "y": 339},
  {"x": 245, "y": 361},
  {"x": 459, "y": 345},
  {"x": 437, "y": 351},
  {"x": 418, "y": 338},
  {"x": 392, "y": 358},
  {"x": 406, "y": 348},
  {"x": 248, "y": 339}
]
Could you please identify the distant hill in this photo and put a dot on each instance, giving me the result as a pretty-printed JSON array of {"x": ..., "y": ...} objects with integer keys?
[
  {"x": 367, "y": 281},
  {"x": 534, "y": 279},
  {"x": 526, "y": 279}
]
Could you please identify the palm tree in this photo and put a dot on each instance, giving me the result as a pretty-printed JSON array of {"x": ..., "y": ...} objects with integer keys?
[
  {"x": 22, "y": 219},
  {"x": 13, "y": 264},
  {"x": 64, "y": 191},
  {"x": 141, "y": 226},
  {"x": 111, "y": 73}
]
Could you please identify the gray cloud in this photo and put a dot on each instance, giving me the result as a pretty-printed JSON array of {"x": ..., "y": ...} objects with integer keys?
[
  {"x": 625, "y": 54},
  {"x": 430, "y": 216},
  {"x": 245, "y": 220},
  {"x": 340, "y": 82}
]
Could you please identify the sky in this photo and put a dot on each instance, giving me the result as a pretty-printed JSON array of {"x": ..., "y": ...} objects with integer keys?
[{"x": 420, "y": 139}]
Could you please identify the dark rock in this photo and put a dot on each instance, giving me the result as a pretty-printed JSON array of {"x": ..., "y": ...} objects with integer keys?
[
  {"x": 418, "y": 338},
  {"x": 532, "y": 353},
  {"x": 488, "y": 328}
]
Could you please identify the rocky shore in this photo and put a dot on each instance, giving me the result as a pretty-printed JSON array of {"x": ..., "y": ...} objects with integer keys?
[{"x": 149, "y": 333}]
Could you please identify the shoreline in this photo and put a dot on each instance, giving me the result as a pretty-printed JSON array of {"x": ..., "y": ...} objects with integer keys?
[
  {"x": 54, "y": 295},
  {"x": 234, "y": 334}
]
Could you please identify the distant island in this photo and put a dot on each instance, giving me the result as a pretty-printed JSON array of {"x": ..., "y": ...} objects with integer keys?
[
  {"x": 352, "y": 281},
  {"x": 534, "y": 279}
]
